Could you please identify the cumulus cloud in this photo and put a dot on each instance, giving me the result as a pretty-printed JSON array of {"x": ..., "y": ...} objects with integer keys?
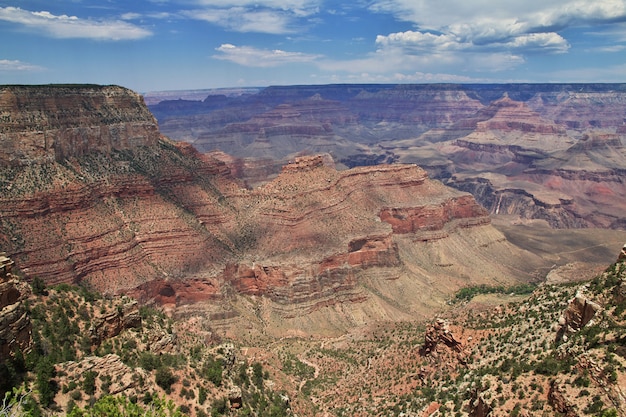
[
  {"x": 63, "y": 26},
  {"x": 477, "y": 35},
  {"x": 530, "y": 25},
  {"x": 264, "y": 58},
  {"x": 533, "y": 14},
  {"x": 15, "y": 65}
]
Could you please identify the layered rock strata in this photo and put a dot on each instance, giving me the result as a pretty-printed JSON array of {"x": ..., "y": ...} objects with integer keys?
[
  {"x": 547, "y": 151},
  {"x": 161, "y": 221},
  {"x": 50, "y": 123}
]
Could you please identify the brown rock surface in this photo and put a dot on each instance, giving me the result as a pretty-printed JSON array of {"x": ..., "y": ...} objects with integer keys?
[
  {"x": 577, "y": 315},
  {"x": 536, "y": 151},
  {"x": 108, "y": 325},
  {"x": 15, "y": 326},
  {"x": 51, "y": 123}
]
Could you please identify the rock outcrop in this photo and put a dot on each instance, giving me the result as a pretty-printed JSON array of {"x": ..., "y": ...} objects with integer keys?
[
  {"x": 15, "y": 326},
  {"x": 559, "y": 401},
  {"x": 439, "y": 333},
  {"x": 579, "y": 313},
  {"x": 110, "y": 325}
]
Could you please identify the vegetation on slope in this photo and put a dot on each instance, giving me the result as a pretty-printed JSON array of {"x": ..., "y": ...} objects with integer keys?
[
  {"x": 85, "y": 354},
  {"x": 512, "y": 359}
]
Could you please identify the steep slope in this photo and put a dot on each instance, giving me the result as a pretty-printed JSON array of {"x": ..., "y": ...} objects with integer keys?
[{"x": 91, "y": 192}]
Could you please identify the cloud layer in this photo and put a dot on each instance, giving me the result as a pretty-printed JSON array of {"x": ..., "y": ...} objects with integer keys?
[
  {"x": 262, "y": 58},
  {"x": 65, "y": 27},
  {"x": 16, "y": 65}
]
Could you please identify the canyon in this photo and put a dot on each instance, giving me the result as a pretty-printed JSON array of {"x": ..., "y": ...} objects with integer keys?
[
  {"x": 321, "y": 280},
  {"x": 553, "y": 152},
  {"x": 93, "y": 194}
]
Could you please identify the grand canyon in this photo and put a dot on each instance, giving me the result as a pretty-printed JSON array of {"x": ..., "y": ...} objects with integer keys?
[{"x": 282, "y": 251}]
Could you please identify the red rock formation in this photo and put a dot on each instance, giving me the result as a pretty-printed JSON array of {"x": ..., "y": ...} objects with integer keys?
[
  {"x": 168, "y": 224},
  {"x": 532, "y": 138},
  {"x": 509, "y": 115},
  {"x": 435, "y": 217},
  {"x": 439, "y": 333}
]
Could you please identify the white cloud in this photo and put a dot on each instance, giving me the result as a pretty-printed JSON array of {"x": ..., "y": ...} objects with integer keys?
[
  {"x": 260, "y": 16},
  {"x": 14, "y": 65},
  {"x": 297, "y": 7},
  {"x": 530, "y": 24},
  {"x": 63, "y": 26},
  {"x": 240, "y": 19},
  {"x": 609, "y": 49},
  {"x": 264, "y": 58},
  {"x": 393, "y": 58}
]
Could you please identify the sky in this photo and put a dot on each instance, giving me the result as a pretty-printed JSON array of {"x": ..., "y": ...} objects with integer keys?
[{"x": 156, "y": 45}]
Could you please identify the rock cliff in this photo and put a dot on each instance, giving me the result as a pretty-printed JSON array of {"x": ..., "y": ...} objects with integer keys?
[
  {"x": 134, "y": 212},
  {"x": 51, "y": 123},
  {"x": 15, "y": 326}
]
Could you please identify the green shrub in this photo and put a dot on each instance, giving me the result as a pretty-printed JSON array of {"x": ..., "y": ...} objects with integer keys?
[
  {"x": 165, "y": 378},
  {"x": 212, "y": 371}
]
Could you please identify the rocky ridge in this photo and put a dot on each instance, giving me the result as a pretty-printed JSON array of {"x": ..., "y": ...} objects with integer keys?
[{"x": 15, "y": 326}]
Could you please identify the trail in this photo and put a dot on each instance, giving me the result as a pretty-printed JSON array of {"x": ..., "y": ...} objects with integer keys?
[{"x": 316, "y": 373}]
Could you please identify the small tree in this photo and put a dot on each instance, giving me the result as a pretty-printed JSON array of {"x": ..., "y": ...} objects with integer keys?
[
  {"x": 39, "y": 286},
  {"x": 165, "y": 378}
]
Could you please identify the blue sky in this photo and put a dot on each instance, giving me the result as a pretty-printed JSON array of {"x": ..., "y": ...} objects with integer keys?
[{"x": 150, "y": 45}]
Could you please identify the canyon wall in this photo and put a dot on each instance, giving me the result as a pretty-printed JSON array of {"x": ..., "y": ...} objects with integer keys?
[
  {"x": 51, "y": 123},
  {"x": 140, "y": 214}
]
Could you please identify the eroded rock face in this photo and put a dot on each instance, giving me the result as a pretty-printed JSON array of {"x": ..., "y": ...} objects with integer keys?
[
  {"x": 15, "y": 326},
  {"x": 559, "y": 401},
  {"x": 161, "y": 221},
  {"x": 124, "y": 379},
  {"x": 577, "y": 315},
  {"x": 51, "y": 123},
  {"x": 545, "y": 151},
  {"x": 110, "y": 325},
  {"x": 439, "y": 333}
]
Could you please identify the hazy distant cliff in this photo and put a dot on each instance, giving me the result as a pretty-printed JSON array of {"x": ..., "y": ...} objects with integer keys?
[{"x": 536, "y": 151}]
